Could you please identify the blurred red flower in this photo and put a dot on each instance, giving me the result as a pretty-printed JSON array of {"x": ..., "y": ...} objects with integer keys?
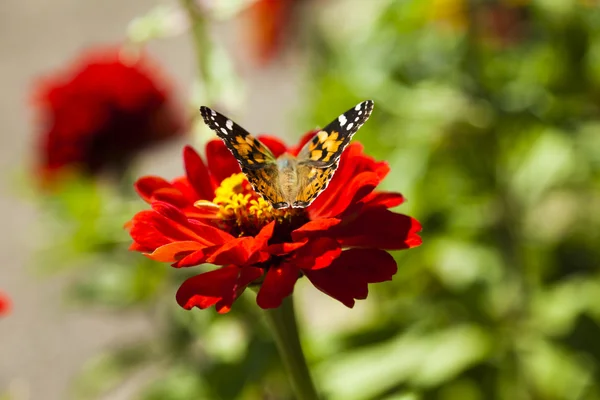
[
  {"x": 269, "y": 22},
  {"x": 5, "y": 304},
  {"x": 504, "y": 25},
  {"x": 212, "y": 215},
  {"x": 102, "y": 110}
]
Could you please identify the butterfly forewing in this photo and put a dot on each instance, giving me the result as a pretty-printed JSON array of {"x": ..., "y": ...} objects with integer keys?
[
  {"x": 248, "y": 151},
  {"x": 319, "y": 158},
  {"x": 326, "y": 147}
]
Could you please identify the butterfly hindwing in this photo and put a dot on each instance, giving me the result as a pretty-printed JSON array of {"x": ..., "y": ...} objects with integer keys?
[
  {"x": 326, "y": 147},
  {"x": 262, "y": 180},
  {"x": 313, "y": 181},
  {"x": 249, "y": 151}
]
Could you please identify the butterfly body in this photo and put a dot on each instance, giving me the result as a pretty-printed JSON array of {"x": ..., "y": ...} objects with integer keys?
[
  {"x": 290, "y": 181},
  {"x": 287, "y": 168}
]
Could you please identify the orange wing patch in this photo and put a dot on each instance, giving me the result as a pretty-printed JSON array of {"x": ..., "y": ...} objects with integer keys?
[
  {"x": 325, "y": 147},
  {"x": 250, "y": 151}
]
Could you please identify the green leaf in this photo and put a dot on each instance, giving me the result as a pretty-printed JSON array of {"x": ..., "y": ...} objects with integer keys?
[{"x": 423, "y": 360}]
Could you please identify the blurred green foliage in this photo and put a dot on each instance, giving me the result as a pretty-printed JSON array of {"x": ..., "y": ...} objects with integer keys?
[
  {"x": 489, "y": 119},
  {"x": 489, "y": 115}
]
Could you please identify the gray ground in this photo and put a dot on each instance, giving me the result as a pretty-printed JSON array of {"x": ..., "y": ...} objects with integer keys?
[{"x": 42, "y": 344}]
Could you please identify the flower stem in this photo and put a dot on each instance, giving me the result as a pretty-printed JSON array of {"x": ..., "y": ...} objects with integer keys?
[
  {"x": 282, "y": 321},
  {"x": 202, "y": 42}
]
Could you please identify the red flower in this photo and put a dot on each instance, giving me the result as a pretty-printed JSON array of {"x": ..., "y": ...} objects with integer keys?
[
  {"x": 212, "y": 215},
  {"x": 101, "y": 111},
  {"x": 5, "y": 304},
  {"x": 270, "y": 22}
]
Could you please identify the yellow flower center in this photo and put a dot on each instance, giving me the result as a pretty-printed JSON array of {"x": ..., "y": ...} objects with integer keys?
[{"x": 239, "y": 207}]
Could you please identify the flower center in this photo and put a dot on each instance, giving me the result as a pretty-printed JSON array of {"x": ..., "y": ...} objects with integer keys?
[{"x": 243, "y": 212}]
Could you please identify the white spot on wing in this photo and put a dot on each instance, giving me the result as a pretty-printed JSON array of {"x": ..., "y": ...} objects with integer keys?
[
  {"x": 213, "y": 113},
  {"x": 360, "y": 113},
  {"x": 224, "y": 131},
  {"x": 342, "y": 119},
  {"x": 350, "y": 125},
  {"x": 229, "y": 124},
  {"x": 358, "y": 106}
]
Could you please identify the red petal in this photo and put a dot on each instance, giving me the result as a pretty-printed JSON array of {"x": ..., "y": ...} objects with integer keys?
[
  {"x": 247, "y": 275},
  {"x": 221, "y": 163},
  {"x": 172, "y": 196},
  {"x": 276, "y": 146},
  {"x": 317, "y": 253},
  {"x": 230, "y": 250},
  {"x": 147, "y": 185},
  {"x": 260, "y": 252},
  {"x": 170, "y": 212},
  {"x": 379, "y": 228},
  {"x": 218, "y": 287},
  {"x": 312, "y": 228},
  {"x": 183, "y": 185},
  {"x": 335, "y": 204},
  {"x": 167, "y": 224},
  {"x": 207, "y": 289},
  {"x": 210, "y": 233},
  {"x": 347, "y": 278},
  {"x": 174, "y": 251},
  {"x": 196, "y": 258},
  {"x": 175, "y": 225},
  {"x": 266, "y": 233},
  {"x": 374, "y": 227},
  {"x": 138, "y": 247},
  {"x": 236, "y": 252},
  {"x": 278, "y": 284},
  {"x": 243, "y": 251},
  {"x": 145, "y": 232},
  {"x": 385, "y": 199},
  {"x": 197, "y": 174},
  {"x": 281, "y": 249}
]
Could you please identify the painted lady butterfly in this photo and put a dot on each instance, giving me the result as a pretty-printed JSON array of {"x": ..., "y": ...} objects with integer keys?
[{"x": 290, "y": 181}]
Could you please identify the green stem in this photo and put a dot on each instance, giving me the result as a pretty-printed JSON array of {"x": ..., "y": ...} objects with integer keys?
[
  {"x": 202, "y": 42},
  {"x": 282, "y": 322}
]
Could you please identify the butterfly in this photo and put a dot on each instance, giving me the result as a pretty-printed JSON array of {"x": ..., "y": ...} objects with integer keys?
[{"x": 290, "y": 181}]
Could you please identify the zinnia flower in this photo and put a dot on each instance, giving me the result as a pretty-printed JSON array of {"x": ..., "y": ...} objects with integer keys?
[
  {"x": 5, "y": 304},
  {"x": 101, "y": 111},
  {"x": 212, "y": 215}
]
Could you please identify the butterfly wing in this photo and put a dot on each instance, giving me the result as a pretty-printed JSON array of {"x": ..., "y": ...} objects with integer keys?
[
  {"x": 313, "y": 181},
  {"x": 319, "y": 158},
  {"x": 256, "y": 160},
  {"x": 248, "y": 151},
  {"x": 264, "y": 181},
  {"x": 326, "y": 147}
]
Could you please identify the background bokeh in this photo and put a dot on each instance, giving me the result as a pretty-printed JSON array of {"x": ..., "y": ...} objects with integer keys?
[{"x": 489, "y": 115}]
